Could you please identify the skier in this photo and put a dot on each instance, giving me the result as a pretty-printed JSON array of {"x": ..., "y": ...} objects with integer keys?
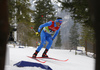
[{"x": 49, "y": 28}]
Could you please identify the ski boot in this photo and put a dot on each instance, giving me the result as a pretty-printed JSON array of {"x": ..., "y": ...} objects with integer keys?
[
  {"x": 35, "y": 54},
  {"x": 45, "y": 53}
]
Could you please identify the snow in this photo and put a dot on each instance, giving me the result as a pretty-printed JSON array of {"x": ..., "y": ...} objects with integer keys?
[{"x": 75, "y": 62}]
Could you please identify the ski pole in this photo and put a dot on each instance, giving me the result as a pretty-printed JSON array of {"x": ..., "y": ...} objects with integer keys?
[{"x": 33, "y": 29}]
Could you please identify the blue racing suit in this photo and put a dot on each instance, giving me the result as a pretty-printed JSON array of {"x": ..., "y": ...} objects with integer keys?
[{"x": 47, "y": 35}]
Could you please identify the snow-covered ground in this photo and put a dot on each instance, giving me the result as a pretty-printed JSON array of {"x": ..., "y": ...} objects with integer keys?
[{"x": 75, "y": 62}]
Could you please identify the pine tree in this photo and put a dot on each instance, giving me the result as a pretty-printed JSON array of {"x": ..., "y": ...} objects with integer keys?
[
  {"x": 73, "y": 38},
  {"x": 87, "y": 39},
  {"x": 19, "y": 12},
  {"x": 58, "y": 41},
  {"x": 44, "y": 12},
  {"x": 79, "y": 11}
]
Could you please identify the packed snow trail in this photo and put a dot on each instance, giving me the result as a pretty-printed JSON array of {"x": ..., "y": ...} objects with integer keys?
[{"x": 75, "y": 62}]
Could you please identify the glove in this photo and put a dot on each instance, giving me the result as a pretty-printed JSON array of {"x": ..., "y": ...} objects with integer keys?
[{"x": 37, "y": 33}]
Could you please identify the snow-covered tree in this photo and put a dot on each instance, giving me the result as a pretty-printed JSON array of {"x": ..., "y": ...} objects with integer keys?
[{"x": 73, "y": 38}]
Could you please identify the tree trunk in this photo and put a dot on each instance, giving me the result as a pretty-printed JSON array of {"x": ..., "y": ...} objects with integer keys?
[
  {"x": 86, "y": 46},
  {"x": 94, "y": 7},
  {"x": 4, "y": 31},
  {"x": 94, "y": 50}
]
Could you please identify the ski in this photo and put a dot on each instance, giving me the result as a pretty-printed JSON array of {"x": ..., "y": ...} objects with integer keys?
[
  {"x": 36, "y": 59},
  {"x": 52, "y": 59}
]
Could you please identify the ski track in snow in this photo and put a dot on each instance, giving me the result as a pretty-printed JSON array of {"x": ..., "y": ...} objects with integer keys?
[{"x": 75, "y": 62}]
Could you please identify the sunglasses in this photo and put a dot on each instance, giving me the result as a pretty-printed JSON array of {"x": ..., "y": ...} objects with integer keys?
[{"x": 60, "y": 21}]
